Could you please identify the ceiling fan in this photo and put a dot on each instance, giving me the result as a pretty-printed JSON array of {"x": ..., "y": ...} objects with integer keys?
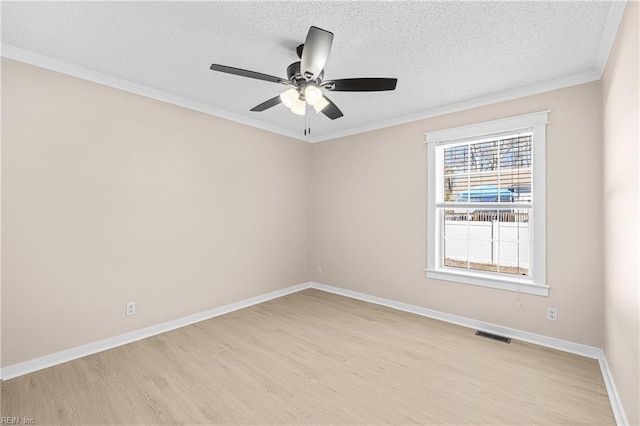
[{"x": 305, "y": 79}]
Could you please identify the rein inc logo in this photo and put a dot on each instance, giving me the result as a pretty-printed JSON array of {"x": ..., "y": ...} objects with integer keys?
[{"x": 17, "y": 421}]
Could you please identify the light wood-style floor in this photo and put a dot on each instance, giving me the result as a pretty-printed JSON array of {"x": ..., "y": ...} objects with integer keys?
[{"x": 316, "y": 358}]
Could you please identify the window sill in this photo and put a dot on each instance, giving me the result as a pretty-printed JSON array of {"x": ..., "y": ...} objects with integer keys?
[{"x": 522, "y": 285}]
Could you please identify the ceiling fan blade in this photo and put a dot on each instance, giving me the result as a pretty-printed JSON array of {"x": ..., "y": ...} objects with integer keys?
[
  {"x": 317, "y": 47},
  {"x": 267, "y": 104},
  {"x": 247, "y": 73},
  {"x": 361, "y": 84},
  {"x": 331, "y": 110}
]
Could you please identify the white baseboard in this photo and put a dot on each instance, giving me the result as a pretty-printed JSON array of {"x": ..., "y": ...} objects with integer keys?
[
  {"x": 614, "y": 398},
  {"x": 549, "y": 342},
  {"x": 46, "y": 361},
  {"x": 525, "y": 336}
]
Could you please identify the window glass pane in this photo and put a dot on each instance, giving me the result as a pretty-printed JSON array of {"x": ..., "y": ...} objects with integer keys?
[
  {"x": 493, "y": 171},
  {"x": 456, "y": 238},
  {"x": 483, "y": 156},
  {"x": 519, "y": 183},
  {"x": 514, "y": 225},
  {"x": 455, "y": 171},
  {"x": 455, "y": 159},
  {"x": 488, "y": 240},
  {"x": 468, "y": 242},
  {"x": 484, "y": 189},
  {"x": 455, "y": 247},
  {"x": 511, "y": 255},
  {"x": 515, "y": 166},
  {"x": 480, "y": 246},
  {"x": 513, "y": 258},
  {"x": 515, "y": 153}
]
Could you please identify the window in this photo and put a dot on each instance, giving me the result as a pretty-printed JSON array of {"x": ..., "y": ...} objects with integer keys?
[{"x": 486, "y": 204}]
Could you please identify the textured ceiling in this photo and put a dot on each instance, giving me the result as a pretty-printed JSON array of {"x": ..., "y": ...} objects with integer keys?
[{"x": 442, "y": 53}]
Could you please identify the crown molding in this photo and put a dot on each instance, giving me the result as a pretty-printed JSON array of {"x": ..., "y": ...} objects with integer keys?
[
  {"x": 520, "y": 92},
  {"x": 63, "y": 67},
  {"x": 42, "y": 61},
  {"x": 614, "y": 18}
]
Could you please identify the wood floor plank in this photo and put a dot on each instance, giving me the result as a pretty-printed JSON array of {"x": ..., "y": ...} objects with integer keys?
[{"x": 316, "y": 358}]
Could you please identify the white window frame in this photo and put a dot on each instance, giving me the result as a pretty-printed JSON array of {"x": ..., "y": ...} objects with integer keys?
[{"x": 536, "y": 282}]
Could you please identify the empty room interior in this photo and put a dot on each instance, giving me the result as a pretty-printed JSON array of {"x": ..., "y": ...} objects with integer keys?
[{"x": 284, "y": 212}]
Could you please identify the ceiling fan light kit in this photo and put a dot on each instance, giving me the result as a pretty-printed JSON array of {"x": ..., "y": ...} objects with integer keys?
[
  {"x": 312, "y": 94},
  {"x": 299, "y": 107},
  {"x": 321, "y": 104},
  {"x": 289, "y": 97},
  {"x": 296, "y": 99},
  {"x": 305, "y": 79}
]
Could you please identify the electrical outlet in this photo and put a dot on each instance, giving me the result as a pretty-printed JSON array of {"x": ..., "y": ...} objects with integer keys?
[
  {"x": 319, "y": 269},
  {"x": 131, "y": 308},
  {"x": 552, "y": 314}
]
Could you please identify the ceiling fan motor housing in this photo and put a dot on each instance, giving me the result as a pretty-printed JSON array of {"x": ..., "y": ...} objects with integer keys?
[
  {"x": 298, "y": 81},
  {"x": 294, "y": 75}
]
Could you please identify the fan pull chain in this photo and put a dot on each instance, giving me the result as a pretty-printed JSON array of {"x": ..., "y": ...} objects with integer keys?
[{"x": 307, "y": 121}]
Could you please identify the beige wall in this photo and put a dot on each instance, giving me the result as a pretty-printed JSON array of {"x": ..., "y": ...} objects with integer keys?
[
  {"x": 0, "y": 231},
  {"x": 369, "y": 218},
  {"x": 110, "y": 197},
  {"x": 621, "y": 157}
]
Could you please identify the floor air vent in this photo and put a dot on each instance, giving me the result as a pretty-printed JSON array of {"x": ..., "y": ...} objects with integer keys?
[{"x": 493, "y": 336}]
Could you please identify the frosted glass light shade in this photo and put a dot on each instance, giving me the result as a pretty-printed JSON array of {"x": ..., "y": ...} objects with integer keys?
[
  {"x": 312, "y": 94},
  {"x": 289, "y": 97},
  {"x": 299, "y": 107},
  {"x": 319, "y": 106}
]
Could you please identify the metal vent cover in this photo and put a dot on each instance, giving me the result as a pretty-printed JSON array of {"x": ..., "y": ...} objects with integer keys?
[{"x": 493, "y": 336}]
